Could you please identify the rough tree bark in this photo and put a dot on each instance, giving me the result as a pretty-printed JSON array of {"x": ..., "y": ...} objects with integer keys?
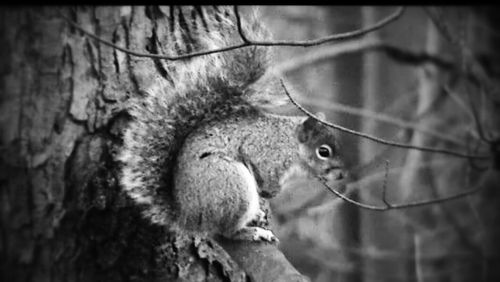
[{"x": 62, "y": 215}]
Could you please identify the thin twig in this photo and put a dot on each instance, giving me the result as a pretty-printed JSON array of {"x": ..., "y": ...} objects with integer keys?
[
  {"x": 351, "y": 187},
  {"x": 452, "y": 218},
  {"x": 366, "y": 180},
  {"x": 394, "y": 52},
  {"x": 474, "y": 148},
  {"x": 405, "y": 205},
  {"x": 400, "y": 102},
  {"x": 398, "y": 54},
  {"x": 247, "y": 42},
  {"x": 477, "y": 122},
  {"x": 238, "y": 24},
  {"x": 469, "y": 64},
  {"x": 381, "y": 117},
  {"x": 149, "y": 55},
  {"x": 457, "y": 99},
  {"x": 335, "y": 37},
  {"x": 384, "y": 186},
  {"x": 380, "y": 140}
]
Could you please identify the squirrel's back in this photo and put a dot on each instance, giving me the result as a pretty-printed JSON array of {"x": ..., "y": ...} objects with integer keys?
[{"x": 197, "y": 90}]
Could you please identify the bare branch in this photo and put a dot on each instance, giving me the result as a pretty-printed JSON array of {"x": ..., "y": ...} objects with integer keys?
[
  {"x": 477, "y": 122},
  {"x": 384, "y": 187},
  {"x": 149, "y": 55},
  {"x": 323, "y": 54},
  {"x": 380, "y": 140},
  {"x": 471, "y": 67},
  {"x": 400, "y": 55},
  {"x": 389, "y": 206},
  {"x": 351, "y": 187},
  {"x": 451, "y": 218},
  {"x": 474, "y": 149},
  {"x": 381, "y": 117},
  {"x": 394, "y": 52},
  {"x": 335, "y": 37},
  {"x": 405, "y": 205},
  {"x": 442, "y": 27},
  {"x": 458, "y": 100},
  {"x": 246, "y": 41},
  {"x": 238, "y": 23},
  {"x": 397, "y": 54}
]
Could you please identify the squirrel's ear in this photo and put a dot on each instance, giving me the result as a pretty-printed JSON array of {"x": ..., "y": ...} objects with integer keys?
[
  {"x": 301, "y": 133},
  {"x": 310, "y": 128},
  {"x": 304, "y": 129}
]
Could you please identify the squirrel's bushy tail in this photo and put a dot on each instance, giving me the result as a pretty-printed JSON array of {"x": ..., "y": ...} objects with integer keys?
[{"x": 198, "y": 90}]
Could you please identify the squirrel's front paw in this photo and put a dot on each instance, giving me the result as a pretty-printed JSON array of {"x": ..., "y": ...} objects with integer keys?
[
  {"x": 252, "y": 233},
  {"x": 259, "y": 217},
  {"x": 264, "y": 234}
]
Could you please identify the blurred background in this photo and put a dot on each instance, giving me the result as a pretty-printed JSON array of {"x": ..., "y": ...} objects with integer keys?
[{"x": 429, "y": 79}]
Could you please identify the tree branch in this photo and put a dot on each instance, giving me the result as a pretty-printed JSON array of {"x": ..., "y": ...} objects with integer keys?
[
  {"x": 392, "y": 51},
  {"x": 381, "y": 117},
  {"x": 335, "y": 37},
  {"x": 261, "y": 261},
  {"x": 238, "y": 23},
  {"x": 470, "y": 66},
  {"x": 384, "y": 186},
  {"x": 380, "y": 140},
  {"x": 351, "y": 187},
  {"x": 246, "y": 42},
  {"x": 405, "y": 205},
  {"x": 403, "y": 56}
]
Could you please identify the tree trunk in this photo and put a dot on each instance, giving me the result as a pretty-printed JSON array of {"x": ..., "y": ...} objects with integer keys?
[{"x": 63, "y": 216}]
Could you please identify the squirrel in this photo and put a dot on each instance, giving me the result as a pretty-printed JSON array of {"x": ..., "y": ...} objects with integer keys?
[{"x": 201, "y": 149}]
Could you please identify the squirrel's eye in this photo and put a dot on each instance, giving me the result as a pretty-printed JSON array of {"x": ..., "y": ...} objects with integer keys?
[{"x": 324, "y": 151}]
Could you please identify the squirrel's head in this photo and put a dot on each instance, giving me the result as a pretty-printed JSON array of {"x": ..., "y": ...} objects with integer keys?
[{"x": 319, "y": 150}]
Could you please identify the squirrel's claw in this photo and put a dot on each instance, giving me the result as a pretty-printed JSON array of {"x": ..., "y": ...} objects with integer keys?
[
  {"x": 260, "y": 216},
  {"x": 253, "y": 233},
  {"x": 265, "y": 235}
]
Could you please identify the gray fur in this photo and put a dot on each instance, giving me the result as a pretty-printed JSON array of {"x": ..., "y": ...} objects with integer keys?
[
  {"x": 267, "y": 142},
  {"x": 198, "y": 141},
  {"x": 202, "y": 89}
]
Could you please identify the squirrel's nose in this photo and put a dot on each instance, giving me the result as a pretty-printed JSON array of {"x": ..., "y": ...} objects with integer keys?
[
  {"x": 336, "y": 173},
  {"x": 339, "y": 175}
]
